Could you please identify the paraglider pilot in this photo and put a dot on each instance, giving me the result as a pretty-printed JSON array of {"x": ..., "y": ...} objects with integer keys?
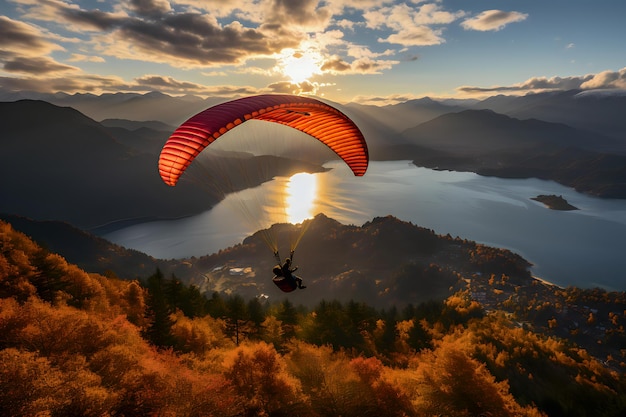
[
  {"x": 288, "y": 272},
  {"x": 284, "y": 277}
]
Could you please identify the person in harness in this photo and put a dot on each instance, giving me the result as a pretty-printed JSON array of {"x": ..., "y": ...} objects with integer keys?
[{"x": 283, "y": 275}]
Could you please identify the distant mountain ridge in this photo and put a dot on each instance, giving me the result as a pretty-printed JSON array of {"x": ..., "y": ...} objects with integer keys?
[
  {"x": 90, "y": 173},
  {"x": 471, "y": 132},
  {"x": 493, "y": 144},
  {"x": 596, "y": 111}
]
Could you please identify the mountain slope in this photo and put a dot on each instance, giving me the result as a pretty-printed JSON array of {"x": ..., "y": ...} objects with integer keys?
[
  {"x": 597, "y": 111},
  {"x": 385, "y": 261},
  {"x": 493, "y": 144},
  {"x": 62, "y": 165},
  {"x": 474, "y": 132}
]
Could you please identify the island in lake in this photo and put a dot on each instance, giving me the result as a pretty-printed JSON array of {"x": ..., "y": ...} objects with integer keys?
[{"x": 554, "y": 202}]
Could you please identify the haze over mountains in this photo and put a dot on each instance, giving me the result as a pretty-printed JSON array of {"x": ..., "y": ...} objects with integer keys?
[{"x": 93, "y": 161}]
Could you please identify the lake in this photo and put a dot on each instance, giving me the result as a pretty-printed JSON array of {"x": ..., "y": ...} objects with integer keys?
[{"x": 584, "y": 248}]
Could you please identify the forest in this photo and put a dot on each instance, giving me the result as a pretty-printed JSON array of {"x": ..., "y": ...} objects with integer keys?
[{"x": 74, "y": 343}]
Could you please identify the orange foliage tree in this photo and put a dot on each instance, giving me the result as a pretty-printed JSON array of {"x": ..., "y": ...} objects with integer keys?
[{"x": 258, "y": 375}]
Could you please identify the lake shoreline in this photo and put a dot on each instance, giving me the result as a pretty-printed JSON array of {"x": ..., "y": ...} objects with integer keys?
[{"x": 487, "y": 210}]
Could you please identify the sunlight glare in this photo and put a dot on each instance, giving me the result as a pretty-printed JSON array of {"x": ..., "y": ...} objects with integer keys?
[
  {"x": 301, "y": 195},
  {"x": 299, "y": 66}
]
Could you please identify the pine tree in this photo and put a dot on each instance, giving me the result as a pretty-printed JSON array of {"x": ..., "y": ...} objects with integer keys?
[{"x": 158, "y": 313}]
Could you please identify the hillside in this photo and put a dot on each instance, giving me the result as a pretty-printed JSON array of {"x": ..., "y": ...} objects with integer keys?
[
  {"x": 62, "y": 165},
  {"x": 385, "y": 262},
  {"x": 492, "y": 144},
  {"x": 81, "y": 344},
  {"x": 79, "y": 171},
  {"x": 597, "y": 111}
]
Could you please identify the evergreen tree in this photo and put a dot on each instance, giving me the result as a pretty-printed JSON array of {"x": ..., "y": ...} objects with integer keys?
[
  {"x": 256, "y": 315},
  {"x": 158, "y": 312},
  {"x": 236, "y": 317}
]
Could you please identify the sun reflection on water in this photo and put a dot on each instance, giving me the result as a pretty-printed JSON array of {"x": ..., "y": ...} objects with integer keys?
[{"x": 301, "y": 196}]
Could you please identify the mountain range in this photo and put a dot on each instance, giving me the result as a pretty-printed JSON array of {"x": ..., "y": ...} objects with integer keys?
[
  {"x": 60, "y": 163},
  {"x": 595, "y": 111}
]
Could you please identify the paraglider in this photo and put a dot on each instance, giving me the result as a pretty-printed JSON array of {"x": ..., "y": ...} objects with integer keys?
[
  {"x": 305, "y": 114},
  {"x": 308, "y": 115},
  {"x": 284, "y": 277}
]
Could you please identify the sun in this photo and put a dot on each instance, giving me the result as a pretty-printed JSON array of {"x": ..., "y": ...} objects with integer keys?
[{"x": 299, "y": 65}]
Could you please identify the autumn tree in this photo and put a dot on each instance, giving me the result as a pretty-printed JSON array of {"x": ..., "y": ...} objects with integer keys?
[
  {"x": 258, "y": 376},
  {"x": 454, "y": 384},
  {"x": 198, "y": 335}
]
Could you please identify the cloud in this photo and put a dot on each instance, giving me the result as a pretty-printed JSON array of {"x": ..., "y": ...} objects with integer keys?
[
  {"x": 606, "y": 80},
  {"x": 18, "y": 38},
  {"x": 603, "y": 80},
  {"x": 74, "y": 84},
  {"x": 24, "y": 49},
  {"x": 150, "y": 30},
  {"x": 304, "y": 15},
  {"x": 150, "y": 7},
  {"x": 85, "y": 58},
  {"x": 415, "y": 36},
  {"x": 36, "y": 65},
  {"x": 336, "y": 64},
  {"x": 363, "y": 65},
  {"x": 492, "y": 20},
  {"x": 411, "y": 25},
  {"x": 384, "y": 101},
  {"x": 102, "y": 84},
  {"x": 287, "y": 87},
  {"x": 172, "y": 86}
]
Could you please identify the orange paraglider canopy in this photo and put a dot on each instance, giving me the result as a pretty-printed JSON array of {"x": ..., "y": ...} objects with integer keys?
[{"x": 308, "y": 115}]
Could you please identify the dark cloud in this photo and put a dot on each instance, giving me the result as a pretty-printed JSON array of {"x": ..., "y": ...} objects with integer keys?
[
  {"x": 24, "y": 49},
  {"x": 283, "y": 87},
  {"x": 150, "y": 7},
  {"x": 195, "y": 41},
  {"x": 36, "y": 65},
  {"x": 173, "y": 86},
  {"x": 302, "y": 13},
  {"x": 20, "y": 37},
  {"x": 100, "y": 84},
  {"x": 91, "y": 19},
  {"x": 336, "y": 64},
  {"x": 159, "y": 81},
  {"x": 367, "y": 66},
  {"x": 65, "y": 84},
  {"x": 180, "y": 39}
]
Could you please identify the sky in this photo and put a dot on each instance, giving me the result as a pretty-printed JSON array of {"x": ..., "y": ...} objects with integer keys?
[{"x": 367, "y": 51}]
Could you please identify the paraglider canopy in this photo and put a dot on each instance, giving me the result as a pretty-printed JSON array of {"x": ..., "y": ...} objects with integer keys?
[{"x": 306, "y": 114}]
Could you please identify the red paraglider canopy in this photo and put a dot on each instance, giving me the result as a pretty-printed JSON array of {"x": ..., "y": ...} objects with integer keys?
[{"x": 308, "y": 115}]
